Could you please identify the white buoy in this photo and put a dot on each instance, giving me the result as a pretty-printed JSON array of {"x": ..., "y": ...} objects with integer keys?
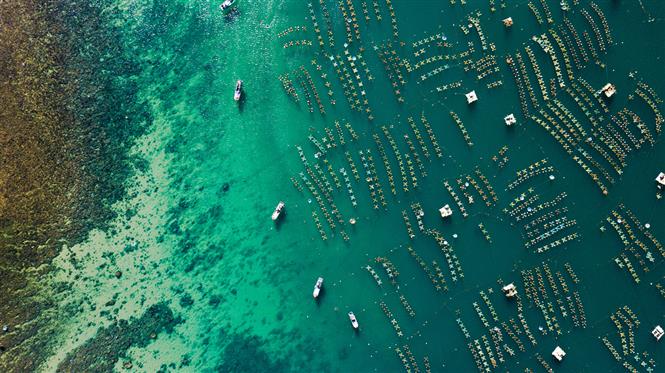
[{"x": 552, "y": 177}]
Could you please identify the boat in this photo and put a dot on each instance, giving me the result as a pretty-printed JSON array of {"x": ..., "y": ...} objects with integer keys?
[
  {"x": 278, "y": 210},
  {"x": 353, "y": 319},
  {"x": 317, "y": 287},
  {"x": 227, "y": 4},
  {"x": 238, "y": 92}
]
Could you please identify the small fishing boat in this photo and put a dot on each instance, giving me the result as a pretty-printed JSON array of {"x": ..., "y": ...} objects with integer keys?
[
  {"x": 227, "y": 4},
  {"x": 278, "y": 210},
  {"x": 238, "y": 92},
  {"x": 353, "y": 319},
  {"x": 317, "y": 287}
]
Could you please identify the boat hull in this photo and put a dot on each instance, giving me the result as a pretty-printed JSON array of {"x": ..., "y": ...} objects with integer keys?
[
  {"x": 354, "y": 321},
  {"x": 317, "y": 287},
  {"x": 278, "y": 211}
]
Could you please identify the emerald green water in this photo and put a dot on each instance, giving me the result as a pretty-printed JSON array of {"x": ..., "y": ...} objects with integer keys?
[{"x": 242, "y": 284}]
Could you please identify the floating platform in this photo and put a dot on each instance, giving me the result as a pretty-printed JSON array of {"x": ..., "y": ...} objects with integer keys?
[
  {"x": 471, "y": 97},
  {"x": 509, "y": 290},
  {"x": 445, "y": 211},
  {"x": 558, "y": 353},
  {"x": 510, "y": 120},
  {"x": 660, "y": 179},
  {"x": 609, "y": 90}
]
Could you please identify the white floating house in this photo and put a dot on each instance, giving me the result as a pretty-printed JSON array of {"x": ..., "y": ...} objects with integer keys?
[
  {"x": 660, "y": 179},
  {"x": 558, "y": 353},
  {"x": 445, "y": 211},
  {"x": 471, "y": 97},
  {"x": 508, "y": 21},
  {"x": 510, "y": 290},
  {"x": 510, "y": 120},
  {"x": 609, "y": 90},
  {"x": 658, "y": 332}
]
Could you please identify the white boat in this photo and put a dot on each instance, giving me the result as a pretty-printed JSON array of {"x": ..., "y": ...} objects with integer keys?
[
  {"x": 226, "y": 4},
  {"x": 353, "y": 319},
  {"x": 238, "y": 91},
  {"x": 278, "y": 210},
  {"x": 317, "y": 287}
]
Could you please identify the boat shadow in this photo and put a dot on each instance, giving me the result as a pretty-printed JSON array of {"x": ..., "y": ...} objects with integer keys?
[
  {"x": 278, "y": 223},
  {"x": 241, "y": 102},
  {"x": 322, "y": 294},
  {"x": 232, "y": 15}
]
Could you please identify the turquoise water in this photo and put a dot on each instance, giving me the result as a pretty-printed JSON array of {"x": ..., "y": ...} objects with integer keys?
[{"x": 193, "y": 230}]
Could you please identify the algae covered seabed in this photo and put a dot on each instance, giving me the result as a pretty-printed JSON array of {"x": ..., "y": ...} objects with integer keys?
[{"x": 135, "y": 194}]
